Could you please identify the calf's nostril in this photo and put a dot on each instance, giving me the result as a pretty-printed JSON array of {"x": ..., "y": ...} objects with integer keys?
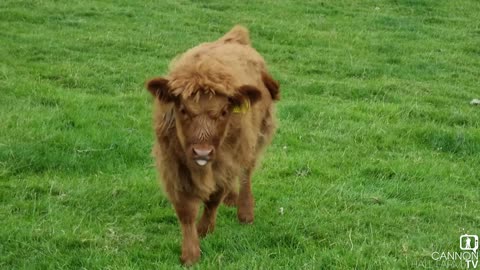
[{"x": 202, "y": 152}]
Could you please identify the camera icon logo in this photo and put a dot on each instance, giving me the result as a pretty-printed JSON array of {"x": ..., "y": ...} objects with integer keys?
[{"x": 469, "y": 242}]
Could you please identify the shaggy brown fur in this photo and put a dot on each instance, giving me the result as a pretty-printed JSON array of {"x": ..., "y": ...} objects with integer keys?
[{"x": 214, "y": 115}]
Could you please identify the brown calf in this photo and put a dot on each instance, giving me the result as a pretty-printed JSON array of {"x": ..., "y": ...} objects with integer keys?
[{"x": 213, "y": 116}]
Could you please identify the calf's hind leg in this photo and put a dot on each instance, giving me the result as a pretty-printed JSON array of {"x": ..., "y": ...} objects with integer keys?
[
  {"x": 231, "y": 199},
  {"x": 207, "y": 221},
  {"x": 187, "y": 209}
]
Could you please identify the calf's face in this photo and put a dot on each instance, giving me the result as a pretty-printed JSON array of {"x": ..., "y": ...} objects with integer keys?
[
  {"x": 202, "y": 119},
  {"x": 202, "y": 125}
]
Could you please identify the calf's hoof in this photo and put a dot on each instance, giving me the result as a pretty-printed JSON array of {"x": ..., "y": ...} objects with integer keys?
[
  {"x": 245, "y": 217},
  {"x": 190, "y": 257}
]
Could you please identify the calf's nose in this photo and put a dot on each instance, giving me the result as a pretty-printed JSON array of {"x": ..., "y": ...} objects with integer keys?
[{"x": 203, "y": 151}]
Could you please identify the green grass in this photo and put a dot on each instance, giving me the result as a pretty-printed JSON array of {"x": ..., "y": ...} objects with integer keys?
[{"x": 376, "y": 161}]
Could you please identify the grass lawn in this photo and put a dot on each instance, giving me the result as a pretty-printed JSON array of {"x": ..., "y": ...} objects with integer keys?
[{"x": 376, "y": 163}]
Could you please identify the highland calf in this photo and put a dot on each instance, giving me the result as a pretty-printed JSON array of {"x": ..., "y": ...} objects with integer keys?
[{"x": 213, "y": 116}]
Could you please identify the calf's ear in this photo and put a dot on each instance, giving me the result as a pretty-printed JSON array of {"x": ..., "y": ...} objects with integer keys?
[
  {"x": 246, "y": 93},
  {"x": 158, "y": 87},
  {"x": 272, "y": 85}
]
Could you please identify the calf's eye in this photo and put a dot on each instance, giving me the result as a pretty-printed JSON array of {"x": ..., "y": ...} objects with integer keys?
[{"x": 224, "y": 112}]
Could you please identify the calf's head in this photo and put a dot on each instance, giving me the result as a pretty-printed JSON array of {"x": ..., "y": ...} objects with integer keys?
[{"x": 202, "y": 118}]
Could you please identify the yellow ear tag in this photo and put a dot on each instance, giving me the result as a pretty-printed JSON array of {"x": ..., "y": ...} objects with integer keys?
[{"x": 243, "y": 108}]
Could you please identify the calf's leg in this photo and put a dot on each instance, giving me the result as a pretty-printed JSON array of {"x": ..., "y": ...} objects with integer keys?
[
  {"x": 187, "y": 209},
  {"x": 245, "y": 202},
  {"x": 231, "y": 199},
  {"x": 207, "y": 222}
]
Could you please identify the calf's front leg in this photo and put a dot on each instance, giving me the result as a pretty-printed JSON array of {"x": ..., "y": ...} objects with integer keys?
[
  {"x": 245, "y": 202},
  {"x": 187, "y": 209}
]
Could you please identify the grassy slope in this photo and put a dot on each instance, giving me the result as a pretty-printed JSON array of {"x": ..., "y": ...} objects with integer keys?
[{"x": 375, "y": 162}]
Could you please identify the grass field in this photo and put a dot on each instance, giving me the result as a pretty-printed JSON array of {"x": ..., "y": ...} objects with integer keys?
[{"x": 376, "y": 163}]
